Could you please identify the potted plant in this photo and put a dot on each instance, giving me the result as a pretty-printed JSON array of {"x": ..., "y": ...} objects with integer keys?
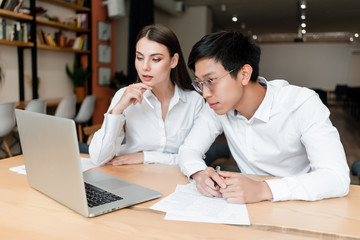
[
  {"x": 119, "y": 80},
  {"x": 79, "y": 75}
]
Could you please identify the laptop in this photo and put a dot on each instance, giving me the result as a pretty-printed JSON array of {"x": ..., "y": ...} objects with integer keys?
[{"x": 53, "y": 167}]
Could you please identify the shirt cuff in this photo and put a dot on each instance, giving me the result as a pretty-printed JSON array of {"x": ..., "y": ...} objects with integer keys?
[
  {"x": 279, "y": 189},
  {"x": 160, "y": 157},
  {"x": 194, "y": 167},
  {"x": 114, "y": 117},
  {"x": 148, "y": 156}
]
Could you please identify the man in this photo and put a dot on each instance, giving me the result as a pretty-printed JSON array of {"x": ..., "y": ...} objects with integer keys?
[{"x": 272, "y": 128}]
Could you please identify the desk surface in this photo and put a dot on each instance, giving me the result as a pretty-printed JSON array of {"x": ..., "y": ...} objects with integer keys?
[{"x": 26, "y": 212}]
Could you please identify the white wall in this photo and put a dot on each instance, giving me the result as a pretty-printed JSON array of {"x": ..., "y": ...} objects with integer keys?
[
  {"x": 316, "y": 65},
  {"x": 54, "y": 82},
  {"x": 304, "y": 64},
  {"x": 311, "y": 65},
  {"x": 190, "y": 27},
  {"x": 355, "y": 69},
  {"x": 183, "y": 26},
  {"x": 121, "y": 40}
]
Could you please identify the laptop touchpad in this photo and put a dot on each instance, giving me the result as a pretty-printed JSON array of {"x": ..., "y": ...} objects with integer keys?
[{"x": 112, "y": 183}]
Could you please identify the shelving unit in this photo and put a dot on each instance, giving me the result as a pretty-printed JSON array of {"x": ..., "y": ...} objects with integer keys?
[
  {"x": 14, "y": 15},
  {"x": 34, "y": 46},
  {"x": 15, "y": 43}
]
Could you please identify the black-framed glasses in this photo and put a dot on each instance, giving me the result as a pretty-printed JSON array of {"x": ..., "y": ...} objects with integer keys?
[{"x": 208, "y": 83}]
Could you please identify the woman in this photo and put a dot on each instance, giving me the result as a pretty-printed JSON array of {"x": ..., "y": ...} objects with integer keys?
[{"x": 148, "y": 121}]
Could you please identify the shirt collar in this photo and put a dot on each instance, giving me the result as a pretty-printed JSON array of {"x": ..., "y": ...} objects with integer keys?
[
  {"x": 264, "y": 110},
  {"x": 179, "y": 93}
]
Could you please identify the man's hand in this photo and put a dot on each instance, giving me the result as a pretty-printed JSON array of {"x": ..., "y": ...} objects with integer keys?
[
  {"x": 205, "y": 182},
  {"x": 130, "y": 158},
  {"x": 241, "y": 189}
]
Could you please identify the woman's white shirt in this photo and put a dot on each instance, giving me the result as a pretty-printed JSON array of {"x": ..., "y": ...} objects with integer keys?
[{"x": 141, "y": 128}]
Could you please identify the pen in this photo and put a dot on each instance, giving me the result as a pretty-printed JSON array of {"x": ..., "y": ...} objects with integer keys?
[
  {"x": 147, "y": 100},
  {"x": 217, "y": 170}
]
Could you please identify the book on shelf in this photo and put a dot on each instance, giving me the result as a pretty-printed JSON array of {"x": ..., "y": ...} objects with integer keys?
[
  {"x": 11, "y": 5},
  {"x": 24, "y": 32},
  {"x": 14, "y": 30},
  {"x": 1, "y": 28},
  {"x": 41, "y": 37},
  {"x": 50, "y": 40},
  {"x": 78, "y": 20},
  {"x": 18, "y": 6},
  {"x": 79, "y": 42},
  {"x": 3, "y": 4}
]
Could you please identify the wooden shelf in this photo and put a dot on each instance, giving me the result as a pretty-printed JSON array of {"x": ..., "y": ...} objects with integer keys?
[
  {"x": 65, "y": 4},
  {"x": 61, "y": 25},
  {"x": 16, "y": 43},
  {"x": 14, "y": 15},
  {"x": 62, "y": 49},
  {"x": 36, "y": 21}
]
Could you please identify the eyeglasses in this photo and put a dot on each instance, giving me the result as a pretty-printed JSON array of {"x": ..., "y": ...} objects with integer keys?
[{"x": 208, "y": 83}]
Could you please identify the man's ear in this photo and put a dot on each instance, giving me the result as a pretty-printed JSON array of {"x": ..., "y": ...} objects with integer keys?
[
  {"x": 245, "y": 74},
  {"x": 174, "y": 60}
]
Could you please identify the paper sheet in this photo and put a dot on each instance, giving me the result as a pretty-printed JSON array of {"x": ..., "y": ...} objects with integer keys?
[
  {"x": 86, "y": 164},
  {"x": 188, "y": 204}
]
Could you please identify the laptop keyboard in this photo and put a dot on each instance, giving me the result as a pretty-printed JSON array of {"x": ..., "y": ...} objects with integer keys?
[{"x": 97, "y": 196}]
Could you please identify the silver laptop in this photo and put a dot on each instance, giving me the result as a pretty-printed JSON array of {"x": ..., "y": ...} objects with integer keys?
[{"x": 53, "y": 167}]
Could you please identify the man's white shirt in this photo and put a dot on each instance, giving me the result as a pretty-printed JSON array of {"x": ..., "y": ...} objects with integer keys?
[{"x": 290, "y": 136}]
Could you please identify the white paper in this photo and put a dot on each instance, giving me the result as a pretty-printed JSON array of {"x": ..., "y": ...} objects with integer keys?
[
  {"x": 86, "y": 164},
  {"x": 19, "y": 169},
  {"x": 188, "y": 204}
]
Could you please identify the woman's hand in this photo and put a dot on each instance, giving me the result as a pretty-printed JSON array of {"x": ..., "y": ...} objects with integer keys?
[
  {"x": 129, "y": 158},
  {"x": 132, "y": 95}
]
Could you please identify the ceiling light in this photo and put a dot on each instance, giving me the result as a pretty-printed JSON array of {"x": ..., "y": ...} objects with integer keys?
[
  {"x": 254, "y": 37},
  {"x": 303, "y": 5},
  {"x": 303, "y": 31},
  {"x": 234, "y": 18},
  {"x": 303, "y": 25},
  {"x": 303, "y": 17},
  {"x": 223, "y": 7},
  {"x": 351, "y": 39},
  {"x": 356, "y": 35}
]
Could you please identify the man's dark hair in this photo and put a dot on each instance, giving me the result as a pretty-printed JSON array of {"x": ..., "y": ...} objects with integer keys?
[{"x": 230, "y": 48}]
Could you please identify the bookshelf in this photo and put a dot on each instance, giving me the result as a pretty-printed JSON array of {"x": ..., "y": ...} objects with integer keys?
[{"x": 48, "y": 43}]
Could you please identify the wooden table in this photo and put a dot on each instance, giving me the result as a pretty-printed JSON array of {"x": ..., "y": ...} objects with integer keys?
[{"x": 28, "y": 214}]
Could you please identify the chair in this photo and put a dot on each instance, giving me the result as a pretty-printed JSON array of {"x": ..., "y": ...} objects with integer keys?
[
  {"x": 7, "y": 124},
  {"x": 66, "y": 107},
  {"x": 355, "y": 168},
  {"x": 85, "y": 113},
  {"x": 341, "y": 91},
  {"x": 36, "y": 105},
  {"x": 322, "y": 95}
]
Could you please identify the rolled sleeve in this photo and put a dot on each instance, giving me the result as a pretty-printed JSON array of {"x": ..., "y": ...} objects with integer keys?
[
  {"x": 159, "y": 157},
  {"x": 106, "y": 142},
  {"x": 205, "y": 130}
]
